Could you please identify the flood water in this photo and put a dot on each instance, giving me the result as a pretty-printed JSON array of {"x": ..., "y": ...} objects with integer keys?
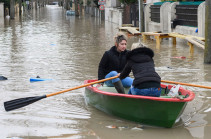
[{"x": 48, "y": 44}]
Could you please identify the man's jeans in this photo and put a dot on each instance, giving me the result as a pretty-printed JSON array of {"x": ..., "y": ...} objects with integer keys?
[{"x": 155, "y": 92}]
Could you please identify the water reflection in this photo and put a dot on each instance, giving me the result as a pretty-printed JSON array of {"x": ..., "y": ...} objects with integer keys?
[{"x": 67, "y": 49}]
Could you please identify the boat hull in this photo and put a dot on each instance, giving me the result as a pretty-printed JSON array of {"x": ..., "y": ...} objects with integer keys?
[
  {"x": 136, "y": 108},
  {"x": 38, "y": 79}
]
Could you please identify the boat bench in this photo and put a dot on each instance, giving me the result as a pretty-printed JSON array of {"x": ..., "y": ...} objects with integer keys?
[{"x": 110, "y": 89}]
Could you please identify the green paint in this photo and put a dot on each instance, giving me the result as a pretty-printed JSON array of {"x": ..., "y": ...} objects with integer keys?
[
  {"x": 190, "y": 3},
  {"x": 145, "y": 111},
  {"x": 160, "y": 3}
]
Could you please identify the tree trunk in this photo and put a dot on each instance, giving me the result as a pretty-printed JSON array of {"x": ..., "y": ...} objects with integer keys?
[
  {"x": 207, "y": 51},
  {"x": 12, "y": 9},
  {"x": 81, "y": 9},
  {"x": 76, "y": 8},
  {"x": 67, "y": 5},
  {"x": 141, "y": 28},
  {"x": 20, "y": 7},
  {"x": 31, "y": 4},
  {"x": 35, "y": 4},
  {"x": 92, "y": 9},
  {"x": 126, "y": 13}
]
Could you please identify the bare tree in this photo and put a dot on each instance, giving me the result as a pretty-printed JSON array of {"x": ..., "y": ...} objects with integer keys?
[
  {"x": 20, "y": 6},
  {"x": 12, "y": 9}
]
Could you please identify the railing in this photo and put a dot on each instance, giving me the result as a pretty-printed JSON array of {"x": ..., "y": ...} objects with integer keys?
[
  {"x": 187, "y": 15},
  {"x": 155, "y": 13}
]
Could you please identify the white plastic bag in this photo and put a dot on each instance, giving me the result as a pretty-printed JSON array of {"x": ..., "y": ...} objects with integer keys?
[{"x": 174, "y": 91}]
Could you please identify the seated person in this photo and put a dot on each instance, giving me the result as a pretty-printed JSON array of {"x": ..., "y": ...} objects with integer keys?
[
  {"x": 146, "y": 80},
  {"x": 113, "y": 62}
]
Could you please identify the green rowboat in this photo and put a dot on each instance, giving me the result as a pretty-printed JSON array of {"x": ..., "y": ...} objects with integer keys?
[{"x": 156, "y": 111}]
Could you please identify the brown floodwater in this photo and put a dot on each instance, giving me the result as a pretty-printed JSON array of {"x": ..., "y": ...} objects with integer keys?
[{"x": 67, "y": 49}]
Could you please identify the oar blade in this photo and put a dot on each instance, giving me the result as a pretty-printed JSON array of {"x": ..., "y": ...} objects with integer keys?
[{"x": 21, "y": 102}]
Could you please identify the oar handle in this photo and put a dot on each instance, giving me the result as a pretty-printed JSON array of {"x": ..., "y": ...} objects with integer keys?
[
  {"x": 81, "y": 86},
  {"x": 187, "y": 84}
]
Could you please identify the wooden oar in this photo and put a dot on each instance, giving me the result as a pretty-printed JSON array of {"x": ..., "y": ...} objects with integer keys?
[
  {"x": 21, "y": 102},
  {"x": 186, "y": 84}
]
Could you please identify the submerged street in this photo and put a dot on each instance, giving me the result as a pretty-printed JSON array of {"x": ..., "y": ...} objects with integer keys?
[{"x": 68, "y": 49}]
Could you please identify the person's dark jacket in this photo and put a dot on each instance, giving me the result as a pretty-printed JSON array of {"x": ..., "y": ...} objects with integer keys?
[
  {"x": 140, "y": 61},
  {"x": 112, "y": 60}
]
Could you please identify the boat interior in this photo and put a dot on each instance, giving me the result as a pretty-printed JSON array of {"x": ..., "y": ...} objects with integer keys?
[{"x": 164, "y": 92}]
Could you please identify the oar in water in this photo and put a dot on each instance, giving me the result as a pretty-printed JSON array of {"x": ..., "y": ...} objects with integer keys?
[
  {"x": 186, "y": 84},
  {"x": 21, "y": 102}
]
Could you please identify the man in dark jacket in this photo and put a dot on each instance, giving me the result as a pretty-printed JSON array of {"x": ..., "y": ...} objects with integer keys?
[{"x": 113, "y": 62}]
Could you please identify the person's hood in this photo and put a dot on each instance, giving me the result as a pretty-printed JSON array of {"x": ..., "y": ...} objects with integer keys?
[{"x": 141, "y": 54}]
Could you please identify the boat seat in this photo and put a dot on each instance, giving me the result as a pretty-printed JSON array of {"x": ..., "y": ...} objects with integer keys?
[
  {"x": 109, "y": 89},
  {"x": 179, "y": 97}
]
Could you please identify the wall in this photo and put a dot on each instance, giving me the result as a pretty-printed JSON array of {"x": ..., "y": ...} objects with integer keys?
[
  {"x": 150, "y": 26},
  {"x": 93, "y": 11},
  {"x": 168, "y": 14},
  {"x": 152, "y": 1},
  {"x": 1, "y": 14},
  {"x": 201, "y": 20},
  {"x": 185, "y": 29},
  {"x": 114, "y": 15},
  {"x": 112, "y": 3},
  {"x": 171, "y": 14},
  {"x": 147, "y": 19},
  {"x": 163, "y": 17},
  {"x": 1, "y": 10}
]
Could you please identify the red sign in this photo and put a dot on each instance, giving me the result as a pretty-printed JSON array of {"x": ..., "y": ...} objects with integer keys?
[
  {"x": 102, "y": 7},
  {"x": 101, "y": 2}
]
